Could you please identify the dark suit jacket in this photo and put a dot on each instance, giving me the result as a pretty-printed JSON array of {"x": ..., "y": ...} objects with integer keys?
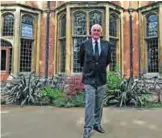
[{"x": 94, "y": 71}]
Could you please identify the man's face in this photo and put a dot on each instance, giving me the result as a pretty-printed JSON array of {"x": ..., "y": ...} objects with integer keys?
[{"x": 96, "y": 32}]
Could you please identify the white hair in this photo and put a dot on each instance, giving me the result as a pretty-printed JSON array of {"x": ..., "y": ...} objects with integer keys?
[{"x": 96, "y": 26}]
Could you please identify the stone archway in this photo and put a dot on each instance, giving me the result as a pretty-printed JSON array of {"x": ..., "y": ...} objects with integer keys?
[{"x": 6, "y": 59}]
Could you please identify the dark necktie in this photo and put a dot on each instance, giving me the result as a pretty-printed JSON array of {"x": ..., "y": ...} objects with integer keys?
[{"x": 96, "y": 50}]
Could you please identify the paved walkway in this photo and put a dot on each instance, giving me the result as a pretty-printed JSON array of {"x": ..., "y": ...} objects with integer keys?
[{"x": 51, "y": 122}]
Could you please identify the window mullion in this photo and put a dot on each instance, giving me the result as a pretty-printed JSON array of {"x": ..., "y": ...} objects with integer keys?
[{"x": 27, "y": 42}]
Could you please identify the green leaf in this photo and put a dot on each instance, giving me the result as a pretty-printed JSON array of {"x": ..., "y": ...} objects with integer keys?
[{"x": 24, "y": 101}]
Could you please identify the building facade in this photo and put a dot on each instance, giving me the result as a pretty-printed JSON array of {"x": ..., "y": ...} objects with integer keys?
[{"x": 25, "y": 40}]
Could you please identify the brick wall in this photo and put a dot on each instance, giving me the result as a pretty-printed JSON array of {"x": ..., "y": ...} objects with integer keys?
[
  {"x": 42, "y": 44},
  {"x": 135, "y": 44},
  {"x": 135, "y": 31},
  {"x": 126, "y": 44},
  {"x": 51, "y": 43}
]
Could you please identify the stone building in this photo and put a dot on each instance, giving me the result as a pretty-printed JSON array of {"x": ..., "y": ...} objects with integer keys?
[{"x": 26, "y": 36}]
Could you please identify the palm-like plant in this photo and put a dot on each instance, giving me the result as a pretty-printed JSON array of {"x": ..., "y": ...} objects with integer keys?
[
  {"x": 125, "y": 92},
  {"x": 24, "y": 89}
]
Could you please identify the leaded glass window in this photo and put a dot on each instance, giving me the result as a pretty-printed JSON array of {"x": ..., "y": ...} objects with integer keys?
[
  {"x": 79, "y": 19},
  {"x": 76, "y": 62},
  {"x": 152, "y": 25},
  {"x": 113, "y": 28},
  {"x": 95, "y": 18},
  {"x": 152, "y": 43},
  {"x": 8, "y": 24},
  {"x": 27, "y": 41},
  {"x": 26, "y": 55},
  {"x": 82, "y": 23},
  {"x": 62, "y": 55},
  {"x": 27, "y": 27},
  {"x": 152, "y": 51},
  {"x": 113, "y": 54},
  {"x": 63, "y": 26},
  {"x": 5, "y": 43},
  {"x": 62, "y": 43}
]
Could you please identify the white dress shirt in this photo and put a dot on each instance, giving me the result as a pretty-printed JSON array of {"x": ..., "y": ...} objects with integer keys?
[{"x": 99, "y": 45}]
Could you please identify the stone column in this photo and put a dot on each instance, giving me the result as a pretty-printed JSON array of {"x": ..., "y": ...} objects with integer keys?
[
  {"x": 121, "y": 43},
  {"x": 16, "y": 45},
  {"x": 68, "y": 38},
  {"x": 38, "y": 44},
  {"x": 107, "y": 23},
  {"x": 160, "y": 39}
]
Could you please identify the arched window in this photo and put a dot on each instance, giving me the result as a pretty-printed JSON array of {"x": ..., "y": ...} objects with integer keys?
[
  {"x": 152, "y": 43},
  {"x": 27, "y": 39},
  {"x": 6, "y": 56},
  {"x": 113, "y": 28},
  {"x": 113, "y": 25},
  {"x": 5, "y": 43},
  {"x": 95, "y": 18},
  {"x": 62, "y": 41},
  {"x": 8, "y": 24},
  {"x": 152, "y": 25},
  {"x": 27, "y": 26},
  {"x": 79, "y": 23}
]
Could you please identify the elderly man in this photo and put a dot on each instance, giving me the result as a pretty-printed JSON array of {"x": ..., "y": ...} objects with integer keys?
[{"x": 95, "y": 56}]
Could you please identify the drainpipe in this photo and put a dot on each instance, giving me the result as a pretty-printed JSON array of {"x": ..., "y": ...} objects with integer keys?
[
  {"x": 47, "y": 39},
  {"x": 130, "y": 10}
]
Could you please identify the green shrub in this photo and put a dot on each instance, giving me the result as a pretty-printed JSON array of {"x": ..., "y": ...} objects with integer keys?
[
  {"x": 153, "y": 105},
  {"x": 125, "y": 92},
  {"x": 79, "y": 99},
  {"x": 67, "y": 101},
  {"x": 23, "y": 89},
  {"x": 113, "y": 80},
  {"x": 52, "y": 94},
  {"x": 59, "y": 99},
  {"x": 3, "y": 101}
]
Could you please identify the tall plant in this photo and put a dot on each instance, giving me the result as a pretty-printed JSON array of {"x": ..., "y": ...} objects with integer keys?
[
  {"x": 125, "y": 91},
  {"x": 113, "y": 87},
  {"x": 24, "y": 89}
]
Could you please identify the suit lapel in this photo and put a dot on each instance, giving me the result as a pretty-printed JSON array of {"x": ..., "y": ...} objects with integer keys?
[
  {"x": 102, "y": 47},
  {"x": 90, "y": 46}
]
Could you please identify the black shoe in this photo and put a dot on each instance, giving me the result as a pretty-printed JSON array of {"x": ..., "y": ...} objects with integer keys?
[
  {"x": 86, "y": 134},
  {"x": 99, "y": 129}
]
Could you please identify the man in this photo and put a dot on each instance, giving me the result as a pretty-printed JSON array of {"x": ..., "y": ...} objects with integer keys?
[{"x": 95, "y": 55}]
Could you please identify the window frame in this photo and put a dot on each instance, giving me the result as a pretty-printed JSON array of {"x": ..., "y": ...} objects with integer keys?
[
  {"x": 71, "y": 7},
  {"x": 33, "y": 55},
  {"x": 116, "y": 38},
  {"x": 2, "y": 21},
  {"x": 157, "y": 8},
  {"x": 87, "y": 13},
  {"x": 58, "y": 38},
  {"x": 147, "y": 38},
  {"x": 19, "y": 10},
  {"x": 7, "y": 59}
]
